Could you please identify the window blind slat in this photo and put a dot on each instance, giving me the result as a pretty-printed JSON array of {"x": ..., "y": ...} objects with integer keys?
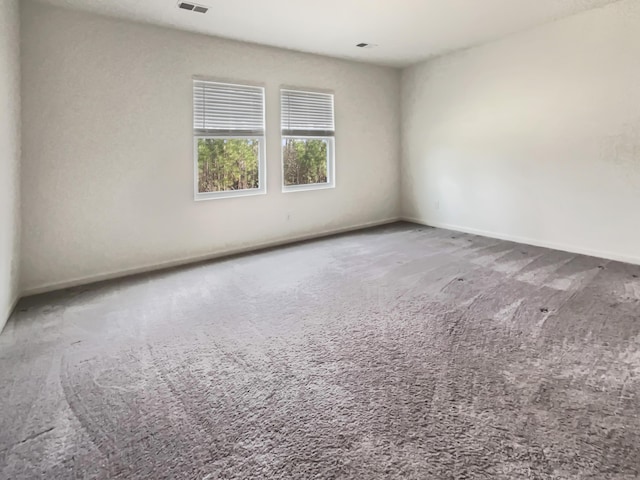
[
  {"x": 225, "y": 110},
  {"x": 308, "y": 113}
]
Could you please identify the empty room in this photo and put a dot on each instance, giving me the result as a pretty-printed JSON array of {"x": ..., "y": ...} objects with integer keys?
[{"x": 302, "y": 240}]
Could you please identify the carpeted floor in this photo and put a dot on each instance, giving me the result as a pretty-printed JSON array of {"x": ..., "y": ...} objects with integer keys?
[{"x": 403, "y": 352}]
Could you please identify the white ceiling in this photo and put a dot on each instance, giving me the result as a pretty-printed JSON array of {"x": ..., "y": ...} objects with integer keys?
[{"x": 406, "y": 31}]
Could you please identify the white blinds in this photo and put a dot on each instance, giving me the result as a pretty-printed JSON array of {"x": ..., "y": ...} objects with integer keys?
[
  {"x": 307, "y": 113},
  {"x": 223, "y": 109}
]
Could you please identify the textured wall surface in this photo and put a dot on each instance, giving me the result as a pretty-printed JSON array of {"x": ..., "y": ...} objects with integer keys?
[
  {"x": 9, "y": 156},
  {"x": 108, "y": 148},
  {"x": 535, "y": 137}
]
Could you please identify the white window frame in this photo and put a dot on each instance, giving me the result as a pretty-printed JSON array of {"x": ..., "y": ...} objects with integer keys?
[
  {"x": 262, "y": 163},
  {"x": 331, "y": 178},
  {"x": 331, "y": 146},
  {"x": 247, "y": 192}
]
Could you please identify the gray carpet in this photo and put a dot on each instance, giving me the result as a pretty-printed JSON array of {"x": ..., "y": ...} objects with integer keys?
[{"x": 402, "y": 352}]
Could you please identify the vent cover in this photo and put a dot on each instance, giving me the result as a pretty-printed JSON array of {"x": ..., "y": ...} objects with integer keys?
[{"x": 192, "y": 7}]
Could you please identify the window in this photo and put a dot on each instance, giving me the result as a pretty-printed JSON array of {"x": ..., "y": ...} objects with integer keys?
[
  {"x": 308, "y": 131},
  {"x": 229, "y": 146}
]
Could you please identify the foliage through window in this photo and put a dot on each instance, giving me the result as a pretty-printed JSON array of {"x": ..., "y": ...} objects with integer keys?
[
  {"x": 305, "y": 161},
  {"x": 308, "y": 130},
  {"x": 226, "y": 164},
  {"x": 228, "y": 123}
]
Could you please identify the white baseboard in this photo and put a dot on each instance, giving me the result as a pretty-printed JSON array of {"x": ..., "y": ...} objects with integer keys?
[
  {"x": 201, "y": 258},
  {"x": 530, "y": 241}
]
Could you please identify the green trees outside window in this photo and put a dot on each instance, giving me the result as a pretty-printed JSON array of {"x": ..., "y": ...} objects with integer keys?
[
  {"x": 304, "y": 161},
  {"x": 228, "y": 164}
]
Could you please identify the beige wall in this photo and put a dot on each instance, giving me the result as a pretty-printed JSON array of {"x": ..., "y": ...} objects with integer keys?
[
  {"x": 9, "y": 156},
  {"x": 107, "y": 147},
  {"x": 535, "y": 137}
]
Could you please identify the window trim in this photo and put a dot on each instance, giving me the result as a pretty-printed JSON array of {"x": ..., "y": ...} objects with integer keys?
[
  {"x": 261, "y": 137},
  {"x": 331, "y": 178},
  {"x": 248, "y": 192},
  {"x": 314, "y": 135}
]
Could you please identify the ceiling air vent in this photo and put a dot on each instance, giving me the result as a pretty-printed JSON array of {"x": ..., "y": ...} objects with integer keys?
[{"x": 192, "y": 7}]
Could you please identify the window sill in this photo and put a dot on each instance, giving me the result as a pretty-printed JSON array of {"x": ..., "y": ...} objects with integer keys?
[
  {"x": 199, "y": 197},
  {"x": 305, "y": 188}
]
